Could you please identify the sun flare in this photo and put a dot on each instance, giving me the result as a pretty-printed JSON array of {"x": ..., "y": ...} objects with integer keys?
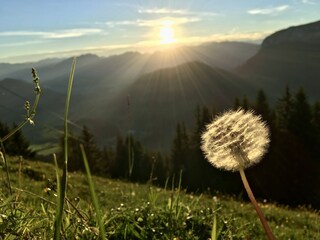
[{"x": 167, "y": 33}]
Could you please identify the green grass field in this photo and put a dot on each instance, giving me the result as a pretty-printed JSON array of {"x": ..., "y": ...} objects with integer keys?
[{"x": 135, "y": 211}]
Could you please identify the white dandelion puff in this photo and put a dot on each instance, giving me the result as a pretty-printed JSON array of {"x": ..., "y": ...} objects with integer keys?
[{"x": 236, "y": 139}]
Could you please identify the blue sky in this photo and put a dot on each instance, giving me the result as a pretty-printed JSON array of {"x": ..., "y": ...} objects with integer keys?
[{"x": 31, "y": 30}]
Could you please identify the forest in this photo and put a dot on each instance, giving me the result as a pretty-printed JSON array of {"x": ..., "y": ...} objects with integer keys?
[{"x": 288, "y": 174}]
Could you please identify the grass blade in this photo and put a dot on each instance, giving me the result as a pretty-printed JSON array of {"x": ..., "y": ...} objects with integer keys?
[
  {"x": 62, "y": 193},
  {"x": 93, "y": 194}
]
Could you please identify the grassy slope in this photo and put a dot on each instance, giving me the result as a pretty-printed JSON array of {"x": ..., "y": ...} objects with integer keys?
[{"x": 135, "y": 211}]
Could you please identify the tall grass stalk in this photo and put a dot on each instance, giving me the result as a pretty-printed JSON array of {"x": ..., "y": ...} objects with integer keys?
[
  {"x": 63, "y": 189},
  {"x": 130, "y": 155},
  {"x": 93, "y": 194}
]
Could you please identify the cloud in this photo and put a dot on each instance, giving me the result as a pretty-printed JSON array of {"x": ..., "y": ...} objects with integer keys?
[
  {"x": 172, "y": 20},
  {"x": 177, "y": 17},
  {"x": 162, "y": 11},
  {"x": 154, "y": 22},
  {"x": 21, "y": 33},
  {"x": 268, "y": 11},
  {"x": 70, "y": 33},
  {"x": 308, "y": 2},
  {"x": 121, "y": 23},
  {"x": 18, "y": 44},
  {"x": 231, "y": 36},
  {"x": 175, "y": 12},
  {"x": 36, "y": 56}
]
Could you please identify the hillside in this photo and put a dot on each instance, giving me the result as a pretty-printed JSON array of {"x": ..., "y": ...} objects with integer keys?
[
  {"x": 138, "y": 211},
  {"x": 287, "y": 57},
  {"x": 153, "y": 105}
]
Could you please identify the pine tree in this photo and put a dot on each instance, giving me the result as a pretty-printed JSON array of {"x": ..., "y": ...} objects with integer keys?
[
  {"x": 141, "y": 167},
  {"x": 261, "y": 106},
  {"x": 284, "y": 108},
  {"x": 301, "y": 121},
  {"x": 107, "y": 161},
  {"x": 236, "y": 104},
  {"x": 92, "y": 151},
  {"x": 75, "y": 162},
  {"x": 176, "y": 152},
  {"x": 159, "y": 168},
  {"x": 197, "y": 167},
  {"x": 120, "y": 167},
  {"x": 245, "y": 103},
  {"x": 316, "y": 118}
]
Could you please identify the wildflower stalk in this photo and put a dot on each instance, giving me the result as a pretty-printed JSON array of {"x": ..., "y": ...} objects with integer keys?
[
  {"x": 31, "y": 112},
  {"x": 28, "y": 119},
  {"x": 63, "y": 183},
  {"x": 256, "y": 206}
]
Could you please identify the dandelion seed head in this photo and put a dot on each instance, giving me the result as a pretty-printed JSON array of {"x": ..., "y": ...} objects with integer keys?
[{"x": 234, "y": 134}]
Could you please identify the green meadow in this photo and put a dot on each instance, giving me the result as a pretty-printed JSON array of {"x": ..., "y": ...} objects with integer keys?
[{"x": 135, "y": 211}]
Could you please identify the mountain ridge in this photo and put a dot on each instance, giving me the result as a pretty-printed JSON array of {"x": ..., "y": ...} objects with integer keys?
[
  {"x": 284, "y": 60},
  {"x": 302, "y": 33}
]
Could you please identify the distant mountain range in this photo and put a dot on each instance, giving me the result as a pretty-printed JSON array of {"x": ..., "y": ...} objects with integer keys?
[
  {"x": 148, "y": 94},
  {"x": 118, "y": 70}
]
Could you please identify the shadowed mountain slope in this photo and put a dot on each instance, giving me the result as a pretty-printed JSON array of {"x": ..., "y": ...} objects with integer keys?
[
  {"x": 287, "y": 57},
  {"x": 152, "y": 106}
]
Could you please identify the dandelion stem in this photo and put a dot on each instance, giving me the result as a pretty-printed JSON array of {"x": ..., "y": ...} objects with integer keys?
[{"x": 256, "y": 206}]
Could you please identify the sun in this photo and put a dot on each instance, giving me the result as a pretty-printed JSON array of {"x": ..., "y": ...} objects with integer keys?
[{"x": 166, "y": 33}]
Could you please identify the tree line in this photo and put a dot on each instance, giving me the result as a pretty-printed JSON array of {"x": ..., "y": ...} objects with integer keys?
[
  {"x": 288, "y": 174},
  {"x": 18, "y": 144}
]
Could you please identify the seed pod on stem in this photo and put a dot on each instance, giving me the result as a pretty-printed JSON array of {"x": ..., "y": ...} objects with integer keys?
[{"x": 234, "y": 141}]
